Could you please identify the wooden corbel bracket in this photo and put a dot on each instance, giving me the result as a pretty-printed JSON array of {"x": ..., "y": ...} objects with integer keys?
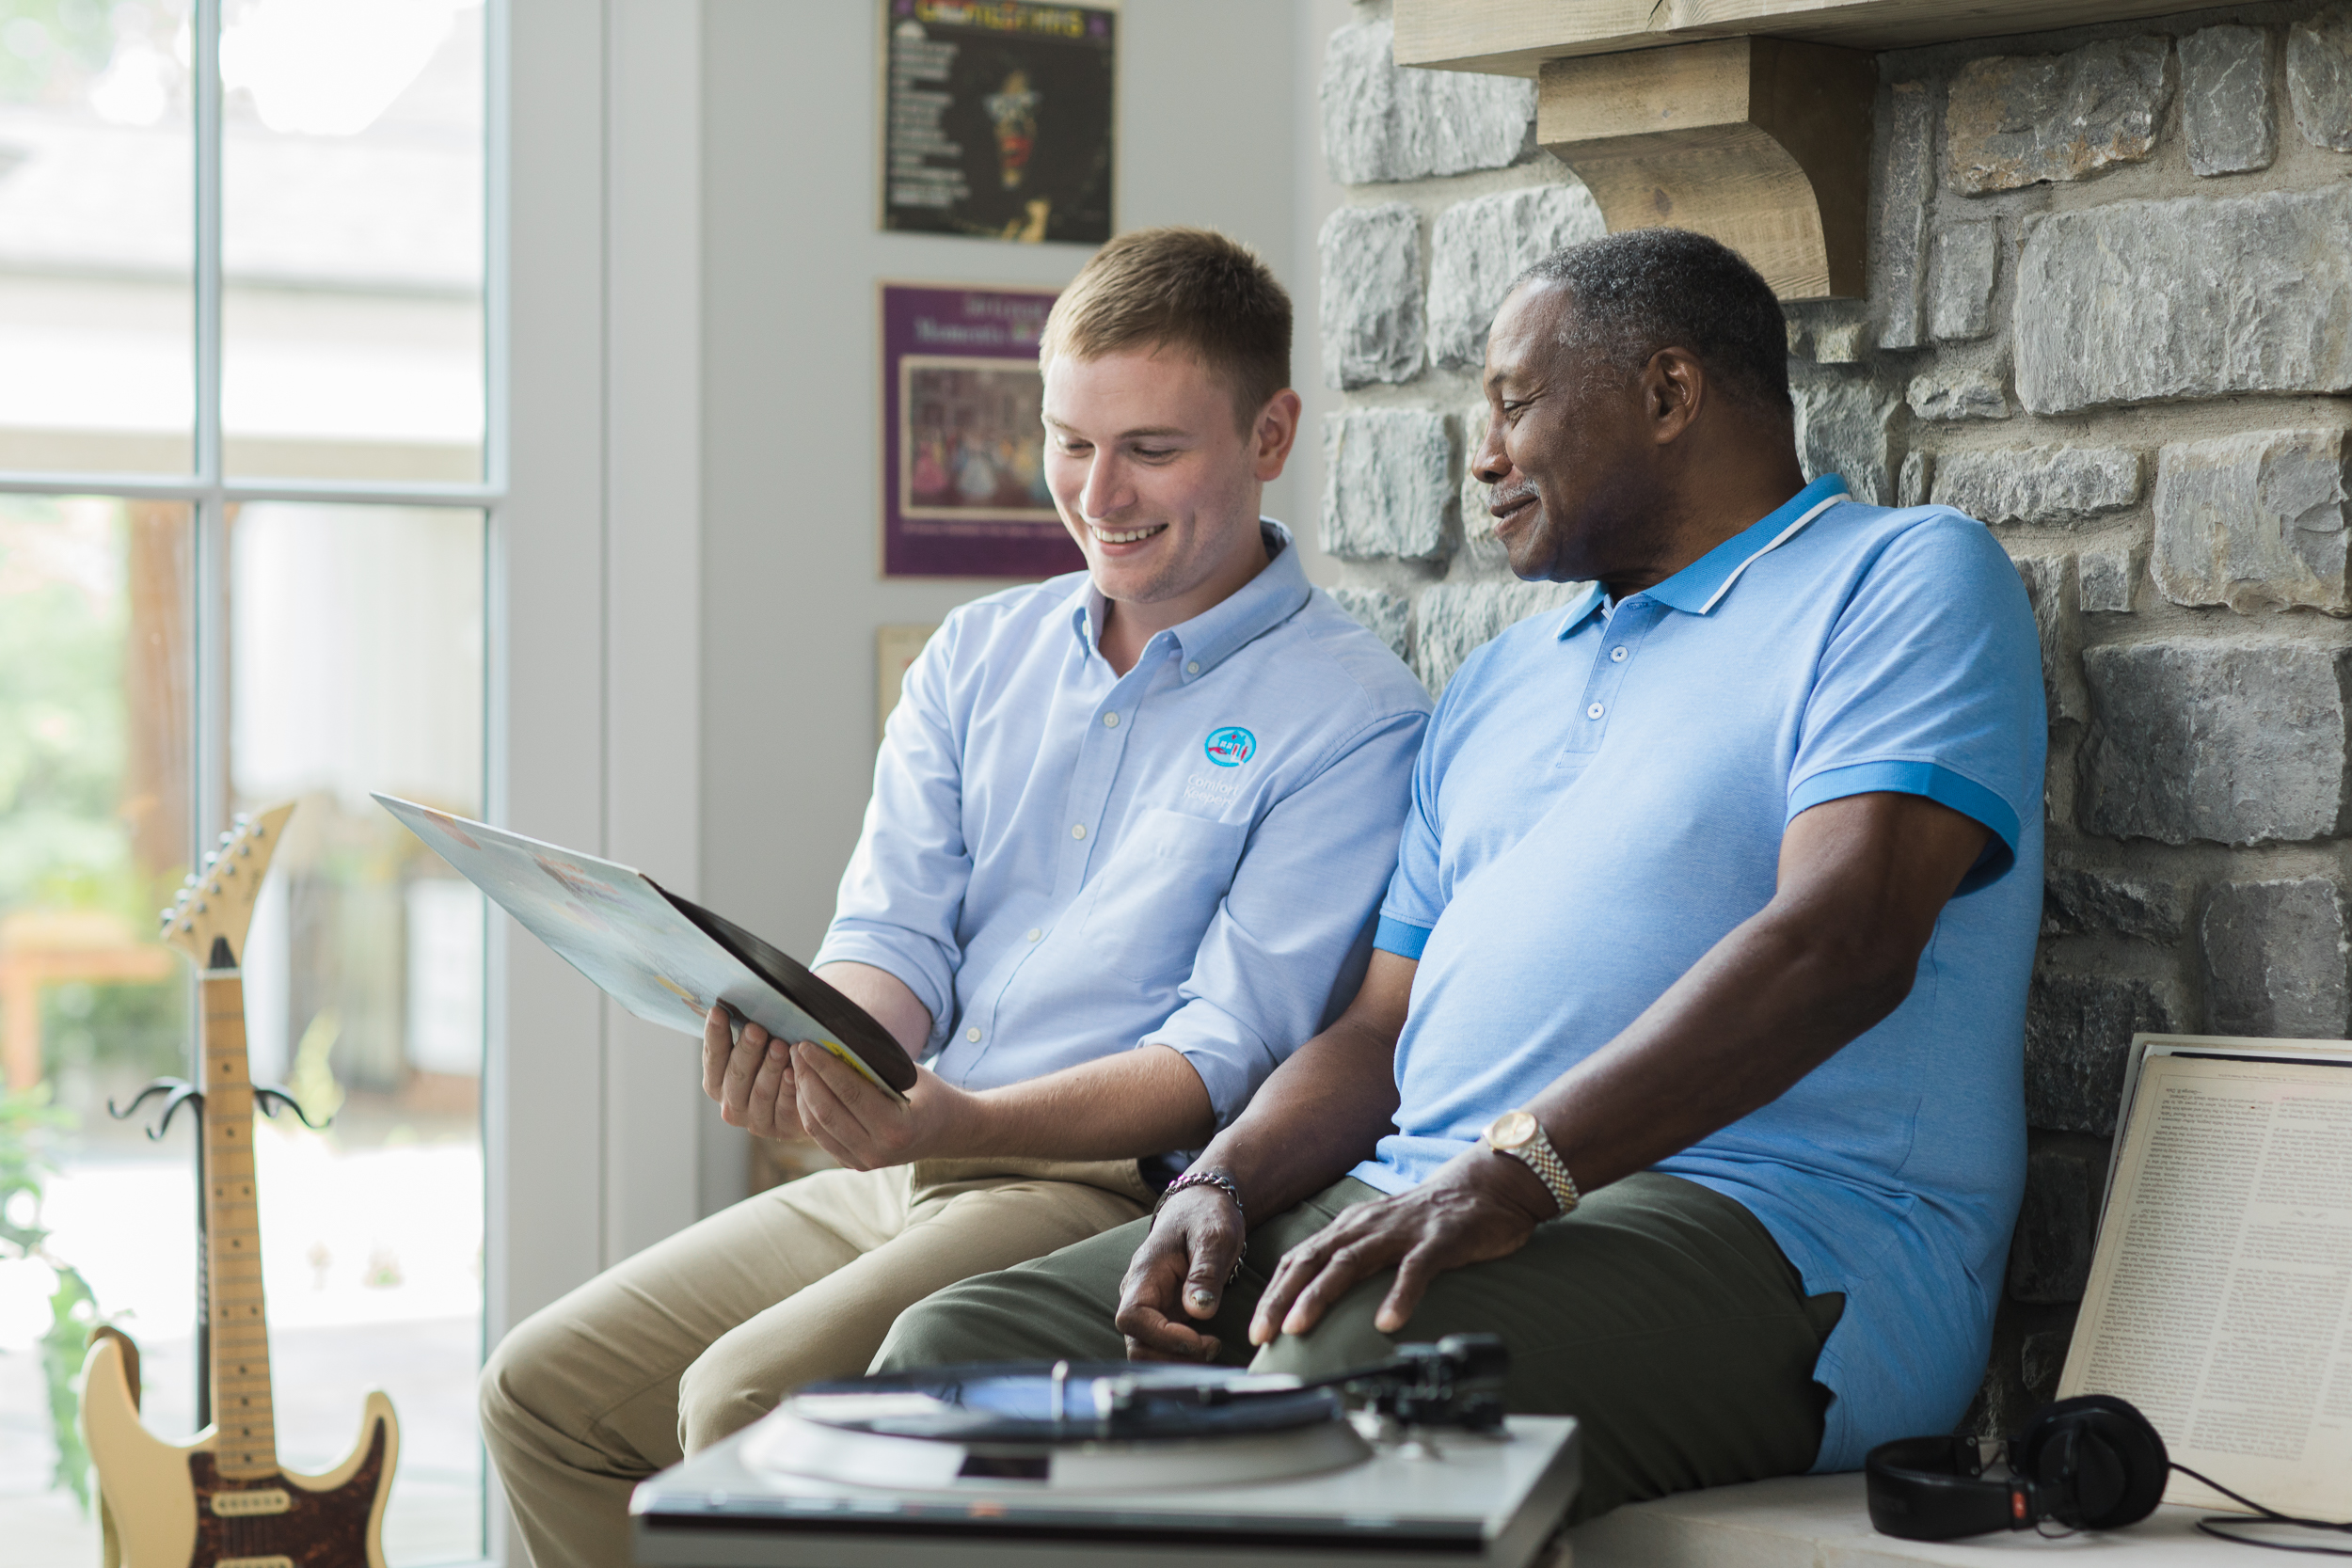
[{"x": 1762, "y": 143}]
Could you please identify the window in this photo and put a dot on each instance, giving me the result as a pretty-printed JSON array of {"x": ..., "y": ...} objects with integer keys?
[{"x": 244, "y": 526}]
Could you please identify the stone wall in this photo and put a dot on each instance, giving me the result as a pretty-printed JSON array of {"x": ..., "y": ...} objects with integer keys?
[{"x": 2110, "y": 315}]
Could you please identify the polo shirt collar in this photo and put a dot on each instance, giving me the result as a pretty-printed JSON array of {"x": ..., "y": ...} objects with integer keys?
[
  {"x": 1278, "y": 591},
  {"x": 1699, "y": 587}
]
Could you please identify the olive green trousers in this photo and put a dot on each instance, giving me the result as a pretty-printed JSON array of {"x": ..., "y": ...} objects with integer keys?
[{"x": 1661, "y": 1313}]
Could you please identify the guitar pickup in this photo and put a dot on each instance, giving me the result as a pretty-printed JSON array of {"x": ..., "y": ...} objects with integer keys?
[{"x": 246, "y": 1505}]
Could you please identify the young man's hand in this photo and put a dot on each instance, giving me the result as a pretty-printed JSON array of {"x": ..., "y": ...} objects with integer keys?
[
  {"x": 1187, "y": 1258},
  {"x": 749, "y": 1075},
  {"x": 865, "y": 1129},
  {"x": 1479, "y": 1205}
]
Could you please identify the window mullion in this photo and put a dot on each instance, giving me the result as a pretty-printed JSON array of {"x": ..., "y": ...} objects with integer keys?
[{"x": 204, "y": 78}]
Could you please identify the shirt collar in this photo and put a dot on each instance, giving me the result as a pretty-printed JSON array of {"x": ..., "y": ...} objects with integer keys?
[
  {"x": 1699, "y": 587},
  {"x": 1271, "y": 597}
]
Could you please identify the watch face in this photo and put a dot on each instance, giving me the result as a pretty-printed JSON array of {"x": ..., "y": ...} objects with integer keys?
[{"x": 1512, "y": 1130}]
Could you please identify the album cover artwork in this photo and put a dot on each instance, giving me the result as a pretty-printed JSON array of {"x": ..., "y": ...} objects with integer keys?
[{"x": 997, "y": 119}]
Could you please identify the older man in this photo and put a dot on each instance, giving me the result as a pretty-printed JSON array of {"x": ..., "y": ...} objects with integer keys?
[{"x": 1691, "y": 1058}]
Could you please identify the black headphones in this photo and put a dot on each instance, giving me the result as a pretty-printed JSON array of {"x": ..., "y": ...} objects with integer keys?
[{"x": 2087, "y": 1462}]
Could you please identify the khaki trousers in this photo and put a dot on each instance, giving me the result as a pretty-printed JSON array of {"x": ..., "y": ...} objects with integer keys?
[{"x": 701, "y": 1334}]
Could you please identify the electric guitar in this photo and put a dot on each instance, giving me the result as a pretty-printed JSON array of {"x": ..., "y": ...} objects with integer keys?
[{"x": 221, "y": 1500}]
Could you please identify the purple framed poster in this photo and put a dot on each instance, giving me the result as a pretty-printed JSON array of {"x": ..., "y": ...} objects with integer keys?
[{"x": 963, "y": 453}]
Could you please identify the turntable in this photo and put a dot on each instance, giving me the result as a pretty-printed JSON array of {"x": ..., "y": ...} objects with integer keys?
[{"x": 1406, "y": 1463}]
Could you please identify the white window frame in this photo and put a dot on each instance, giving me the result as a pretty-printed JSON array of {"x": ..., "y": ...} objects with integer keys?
[{"x": 597, "y": 1141}]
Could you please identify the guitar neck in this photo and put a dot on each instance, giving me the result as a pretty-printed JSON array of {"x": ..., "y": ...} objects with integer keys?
[{"x": 242, "y": 1411}]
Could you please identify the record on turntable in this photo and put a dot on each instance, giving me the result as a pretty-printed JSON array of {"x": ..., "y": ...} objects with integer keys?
[{"x": 1079, "y": 1462}]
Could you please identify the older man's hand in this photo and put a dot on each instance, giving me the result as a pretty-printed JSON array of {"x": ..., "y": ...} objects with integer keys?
[
  {"x": 1479, "y": 1205},
  {"x": 1186, "y": 1259}
]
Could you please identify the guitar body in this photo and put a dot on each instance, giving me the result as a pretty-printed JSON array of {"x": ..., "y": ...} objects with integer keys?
[{"x": 172, "y": 1509}]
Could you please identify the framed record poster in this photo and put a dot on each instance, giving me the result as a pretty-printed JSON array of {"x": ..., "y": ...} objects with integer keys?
[
  {"x": 964, "y": 451},
  {"x": 997, "y": 119}
]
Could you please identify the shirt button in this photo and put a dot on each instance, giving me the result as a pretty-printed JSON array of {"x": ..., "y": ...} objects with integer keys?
[
  {"x": 1035, "y": 933},
  {"x": 1616, "y": 656},
  {"x": 1192, "y": 667},
  {"x": 1110, "y": 721},
  {"x": 972, "y": 1034},
  {"x": 1077, "y": 830},
  {"x": 1594, "y": 711}
]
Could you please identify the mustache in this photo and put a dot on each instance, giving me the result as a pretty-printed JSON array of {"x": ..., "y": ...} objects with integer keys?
[{"x": 1499, "y": 502}]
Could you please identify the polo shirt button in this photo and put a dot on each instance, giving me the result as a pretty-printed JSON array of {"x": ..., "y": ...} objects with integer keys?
[
  {"x": 1077, "y": 830},
  {"x": 972, "y": 1034},
  {"x": 1110, "y": 721},
  {"x": 1035, "y": 933},
  {"x": 1192, "y": 667},
  {"x": 1594, "y": 711},
  {"x": 1616, "y": 656}
]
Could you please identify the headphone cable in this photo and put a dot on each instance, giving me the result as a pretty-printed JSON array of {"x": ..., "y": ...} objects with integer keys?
[{"x": 2222, "y": 1525}]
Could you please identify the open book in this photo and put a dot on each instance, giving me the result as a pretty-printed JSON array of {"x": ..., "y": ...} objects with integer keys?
[
  {"x": 2220, "y": 1294},
  {"x": 664, "y": 958}
]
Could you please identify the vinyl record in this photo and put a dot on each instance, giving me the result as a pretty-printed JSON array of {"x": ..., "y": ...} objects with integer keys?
[{"x": 1085, "y": 1402}]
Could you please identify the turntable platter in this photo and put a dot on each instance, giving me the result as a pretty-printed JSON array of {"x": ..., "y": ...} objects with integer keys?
[{"x": 1079, "y": 1426}]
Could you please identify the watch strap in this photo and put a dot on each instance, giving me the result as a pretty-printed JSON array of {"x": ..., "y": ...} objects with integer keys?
[{"x": 1538, "y": 1155}]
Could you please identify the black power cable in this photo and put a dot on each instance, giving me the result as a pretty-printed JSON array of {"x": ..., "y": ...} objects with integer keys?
[{"x": 2222, "y": 1525}]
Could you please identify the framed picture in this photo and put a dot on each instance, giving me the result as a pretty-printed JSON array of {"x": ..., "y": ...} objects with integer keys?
[
  {"x": 963, "y": 453},
  {"x": 998, "y": 118}
]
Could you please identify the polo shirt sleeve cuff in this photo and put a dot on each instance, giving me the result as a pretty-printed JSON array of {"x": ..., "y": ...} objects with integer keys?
[
  {"x": 1934, "y": 781},
  {"x": 917, "y": 964},
  {"x": 1400, "y": 937}
]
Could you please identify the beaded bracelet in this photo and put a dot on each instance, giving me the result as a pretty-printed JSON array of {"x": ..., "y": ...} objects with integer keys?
[{"x": 1198, "y": 1178}]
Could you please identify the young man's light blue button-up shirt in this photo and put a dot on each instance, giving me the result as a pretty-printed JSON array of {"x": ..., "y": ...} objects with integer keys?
[
  {"x": 1064, "y": 863},
  {"x": 1601, "y": 800}
]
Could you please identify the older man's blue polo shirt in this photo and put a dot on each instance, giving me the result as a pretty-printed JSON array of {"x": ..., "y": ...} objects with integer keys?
[
  {"x": 1601, "y": 800},
  {"x": 1064, "y": 863}
]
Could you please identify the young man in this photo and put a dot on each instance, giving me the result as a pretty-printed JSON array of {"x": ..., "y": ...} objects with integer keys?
[
  {"x": 1692, "y": 1059},
  {"x": 1127, "y": 833}
]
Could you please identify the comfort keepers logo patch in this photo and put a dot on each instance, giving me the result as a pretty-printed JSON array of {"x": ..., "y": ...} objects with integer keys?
[{"x": 1230, "y": 746}]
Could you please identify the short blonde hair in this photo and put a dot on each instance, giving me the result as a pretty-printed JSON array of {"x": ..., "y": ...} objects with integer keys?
[{"x": 1189, "y": 289}]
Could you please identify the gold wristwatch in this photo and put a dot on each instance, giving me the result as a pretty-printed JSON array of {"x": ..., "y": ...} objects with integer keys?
[{"x": 1518, "y": 1134}]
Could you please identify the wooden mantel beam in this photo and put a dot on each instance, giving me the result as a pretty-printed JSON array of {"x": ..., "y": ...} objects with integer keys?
[
  {"x": 1760, "y": 143},
  {"x": 1513, "y": 37}
]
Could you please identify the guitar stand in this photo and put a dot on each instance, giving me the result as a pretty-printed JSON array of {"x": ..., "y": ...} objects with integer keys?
[{"x": 178, "y": 1092}]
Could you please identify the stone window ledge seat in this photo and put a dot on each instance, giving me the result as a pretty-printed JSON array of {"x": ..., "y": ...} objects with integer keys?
[{"x": 1819, "y": 1522}]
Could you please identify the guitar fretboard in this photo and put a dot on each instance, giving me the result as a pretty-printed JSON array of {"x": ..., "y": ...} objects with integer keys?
[{"x": 242, "y": 1412}]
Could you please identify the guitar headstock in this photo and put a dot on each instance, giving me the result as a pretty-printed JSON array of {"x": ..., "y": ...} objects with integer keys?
[{"x": 216, "y": 904}]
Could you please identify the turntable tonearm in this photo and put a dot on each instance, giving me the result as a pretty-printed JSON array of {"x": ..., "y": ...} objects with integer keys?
[{"x": 1404, "y": 1464}]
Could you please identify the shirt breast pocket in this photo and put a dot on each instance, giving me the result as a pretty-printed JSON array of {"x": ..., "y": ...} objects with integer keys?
[{"x": 1155, "y": 899}]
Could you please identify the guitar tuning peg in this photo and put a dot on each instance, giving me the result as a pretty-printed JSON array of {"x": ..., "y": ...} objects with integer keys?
[
  {"x": 245, "y": 850},
  {"x": 199, "y": 905},
  {"x": 210, "y": 857},
  {"x": 227, "y": 839},
  {"x": 229, "y": 868},
  {"x": 242, "y": 819},
  {"x": 188, "y": 881},
  {"x": 260, "y": 830},
  {"x": 213, "y": 888},
  {"x": 166, "y": 918}
]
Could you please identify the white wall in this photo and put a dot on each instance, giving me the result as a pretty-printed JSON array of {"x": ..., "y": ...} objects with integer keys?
[{"x": 1209, "y": 123}]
